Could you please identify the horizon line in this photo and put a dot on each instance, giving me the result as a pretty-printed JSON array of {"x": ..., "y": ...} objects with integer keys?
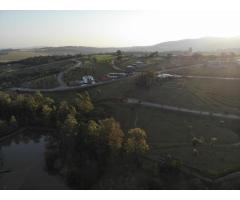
[{"x": 102, "y": 47}]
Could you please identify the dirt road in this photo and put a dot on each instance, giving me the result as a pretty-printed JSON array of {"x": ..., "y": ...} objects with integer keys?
[{"x": 178, "y": 109}]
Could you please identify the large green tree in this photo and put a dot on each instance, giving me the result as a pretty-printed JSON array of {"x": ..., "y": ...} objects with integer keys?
[{"x": 136, "y": 141}]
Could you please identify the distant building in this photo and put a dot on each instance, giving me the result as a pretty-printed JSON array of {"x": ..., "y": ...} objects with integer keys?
[
  {"x": 116, "y": 75},
  {"x": 167, "y": 76},
  {"x": 139, "y": 64},
  {"x": 85, "y": 80}
]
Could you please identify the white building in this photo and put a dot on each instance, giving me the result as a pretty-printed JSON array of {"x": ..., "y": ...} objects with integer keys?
[
  {"x": 164, "y": 76},
  {"x": 88, "y": 79},
  {"x": 139, "y": 64}
]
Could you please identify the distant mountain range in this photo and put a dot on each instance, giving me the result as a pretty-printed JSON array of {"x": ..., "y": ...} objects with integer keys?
[{"x": 201, "y": 44}]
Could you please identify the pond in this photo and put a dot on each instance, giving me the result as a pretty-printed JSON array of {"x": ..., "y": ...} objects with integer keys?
[{"x": 23, "y": 158}]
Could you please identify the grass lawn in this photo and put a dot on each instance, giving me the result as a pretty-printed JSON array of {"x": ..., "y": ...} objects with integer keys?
[
  {"x": 17, "y": 55},
  {"x": 101, "y": 69},
  {"x": 230, "y": 70},
  {"x": 104, "y": 57},
  {"x": 210, "y": 95},
  {"x": 19, "y": 74},
  {"x": 171, "y": 133},
  {"x": 45, "y": 82},
  {"x": 125, "y": 61}
]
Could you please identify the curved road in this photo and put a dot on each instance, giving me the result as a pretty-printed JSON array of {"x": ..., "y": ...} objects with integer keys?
[
  {"x": 115, "y": 67},
  {"x": 60, "y": 76},
  {"x": 63, "y": 87}
]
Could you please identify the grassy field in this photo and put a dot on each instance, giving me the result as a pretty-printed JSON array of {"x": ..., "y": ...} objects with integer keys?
[
  {"x": 98, "y": 70},
  {"x": 19, "y": 74},
  {"x": 172, "y": 133},
  {"x": 230, "y": 70},
  {"x": 212, "y": 95},
  {"x": 125, "y": 61},
  {"x": 17, "y": 55},
  {"x": 103, "y": 57},
  {"x": 113, "y": 90},
  {"x": 44, "y": 82},
  {"x": 209, "y": 95}
]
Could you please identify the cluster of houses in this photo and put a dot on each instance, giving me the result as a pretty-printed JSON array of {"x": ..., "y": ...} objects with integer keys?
[
  {"x": 132, "y": 68},
  {"x": 89, "y": 79}
]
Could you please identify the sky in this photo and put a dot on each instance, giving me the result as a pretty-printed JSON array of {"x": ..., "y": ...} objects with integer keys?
[{"x": 20, "y": 29}]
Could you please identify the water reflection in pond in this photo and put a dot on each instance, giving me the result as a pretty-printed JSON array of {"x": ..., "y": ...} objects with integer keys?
[{"x": 24, "y": 156}]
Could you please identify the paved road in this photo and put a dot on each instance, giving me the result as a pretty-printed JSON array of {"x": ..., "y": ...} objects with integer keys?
[
  {"x": 60, "y": 76},
  {"x": 186, "y": 110},
  {"x": 63, "y": 87},
  {"x": 115, "y": 67},
  {"x": 213, "y": 77},
  {"x": 67, "y": 88},
  {"x": 198, "y": 77}
]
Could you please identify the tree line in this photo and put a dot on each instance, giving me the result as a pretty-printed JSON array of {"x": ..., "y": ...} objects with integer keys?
[{"x": 80, "y": 135}]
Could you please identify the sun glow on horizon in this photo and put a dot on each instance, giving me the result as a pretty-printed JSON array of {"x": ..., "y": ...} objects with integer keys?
[{"x": 110, "y": 28}]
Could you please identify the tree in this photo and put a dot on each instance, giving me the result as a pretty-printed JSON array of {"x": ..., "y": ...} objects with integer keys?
[
  {"x": 94, "y": 60},
  {"x": 5, "y": 101},
  {"x": 2, "y": 125},
  {"x": 64, "y": 109},
  {"x": 47, "y": 111},
  {"x": 146, "y": 79},
  {"x": 70, "y": 124},
  {"x": 4, "y": 98},
  {"x": 93, "y": 128},
  {"x": 49, "y": 101},
  {"x": 112, "y": 133},
  {"x": 38, "y": 97},
  {"x": 154, "y": 54},
  {"x": 119, "y": 54},
  {"x": 136, "y": 141},
  {"x": 83, "y": 102},
  {"x": 13, "y": 121}
]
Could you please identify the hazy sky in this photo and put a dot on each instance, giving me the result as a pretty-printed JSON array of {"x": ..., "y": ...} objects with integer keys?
[{"x": 110, "y": 28}]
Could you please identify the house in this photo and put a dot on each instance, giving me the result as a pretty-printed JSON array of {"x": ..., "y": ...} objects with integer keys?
[
  {"x": 130, "y": 69},
  {"x": 88, "y": 79},
  {"x": 116, "y": 75},
  {"x": 167, "y": 76},
  {"x": 139, "y": 64}
]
